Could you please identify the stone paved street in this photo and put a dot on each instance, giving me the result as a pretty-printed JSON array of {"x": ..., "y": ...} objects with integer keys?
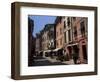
[
  {"x": 45, "y": 61},
  {"x": 41, "y": 61}
]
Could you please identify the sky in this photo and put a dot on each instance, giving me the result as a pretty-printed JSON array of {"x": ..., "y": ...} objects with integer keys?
[{"x": 41, "y": 21}]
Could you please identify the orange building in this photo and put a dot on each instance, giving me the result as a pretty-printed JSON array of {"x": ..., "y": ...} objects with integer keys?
[
  {"x": 71, "y": 35},
  {"x": 75, "y": 37}
]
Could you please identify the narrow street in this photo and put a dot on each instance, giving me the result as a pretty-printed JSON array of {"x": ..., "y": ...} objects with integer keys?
[
  {"x": 47, "y": 61},
  {"x": 43, "y": 61},
  {"x": 55, "y": 43}
]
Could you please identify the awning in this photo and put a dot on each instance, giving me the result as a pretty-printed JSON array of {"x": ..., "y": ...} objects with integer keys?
[
  {"x": 47, "y": 51},
  {"x": 57, "y": 49},
  {"x": 71, "y": 44}
]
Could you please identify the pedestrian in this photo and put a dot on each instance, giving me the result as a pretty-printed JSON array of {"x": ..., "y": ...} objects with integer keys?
[
  {"x": 75, "y": 57},
  {"x": 65, "y": 55}
]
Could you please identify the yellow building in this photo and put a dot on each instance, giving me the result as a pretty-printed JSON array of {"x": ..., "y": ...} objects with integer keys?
[{"x": 59, "y": 32}]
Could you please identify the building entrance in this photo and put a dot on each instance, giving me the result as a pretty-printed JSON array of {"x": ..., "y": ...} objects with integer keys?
[{"x": 84, "y": 51}]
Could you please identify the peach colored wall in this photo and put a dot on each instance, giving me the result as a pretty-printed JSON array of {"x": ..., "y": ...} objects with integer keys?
[{"x": 59, "y": 35}]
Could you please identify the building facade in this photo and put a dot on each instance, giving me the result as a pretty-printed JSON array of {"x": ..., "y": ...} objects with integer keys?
[
  {"x": 79, "y": 25},
  {"x": 68, "y": 36},
  {"x": 38, "y": 43},
  {"x": 75, "y": 34},
  {"x": 31, "y": 45},
  {"x": 45, "y": 40},
  {"x": 51, "y": 36},
  {"x": 48, "y": 37},
  {"x": 59, "y": 25}
]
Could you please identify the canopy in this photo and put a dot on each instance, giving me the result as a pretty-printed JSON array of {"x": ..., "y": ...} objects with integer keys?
[{"x": 57, "y": 49}]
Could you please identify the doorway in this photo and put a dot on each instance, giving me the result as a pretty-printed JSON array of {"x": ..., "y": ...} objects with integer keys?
[{"x": 84, "y": 51}]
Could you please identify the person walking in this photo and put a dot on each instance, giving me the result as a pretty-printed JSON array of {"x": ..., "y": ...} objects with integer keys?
[
  {"x": 66, "y": 56},
  {"x": 75, "y": 57}
]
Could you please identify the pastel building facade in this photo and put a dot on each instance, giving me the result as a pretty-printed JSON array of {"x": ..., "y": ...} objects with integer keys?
[
  {"x": 48, "y": 37},
  {"x": 75, "y": 33},
  {"x": 80, "y": 37},
  {"x": 59, "y": 32}
]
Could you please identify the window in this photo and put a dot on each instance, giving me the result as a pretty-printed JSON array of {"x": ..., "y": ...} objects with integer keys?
[
  {"x": 57, "y": 33},
  {"x": 74, "y": 18},
  {"x": 60, "y": 30},
  {"x": 60, "y": 19},
  {"x": 65, "y": 37},
  {"x": 68, "y": 21},
  {"x": 82, "y": 28},
  {"x": 61, "y": 41},
  {"x": 57, "y": 43},
  {"x": 64, "y": 24},
  {"x": 86, "y": 28},
  {"x": 75, "y": 31},
  {"x": 69, "y": 35},
  {"x": 42, "y": 38}
]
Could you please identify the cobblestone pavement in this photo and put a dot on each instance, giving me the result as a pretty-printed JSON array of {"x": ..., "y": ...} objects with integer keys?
[
  {"x": 45, "y": 61},
  {"x": 65, "y": 62},
  {"x": 41, "y": 61}
]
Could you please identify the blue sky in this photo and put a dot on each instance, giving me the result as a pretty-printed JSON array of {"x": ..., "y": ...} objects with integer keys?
[{"x": 41, "y": 21}]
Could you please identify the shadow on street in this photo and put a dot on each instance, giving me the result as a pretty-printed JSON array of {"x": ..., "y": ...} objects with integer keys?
[{"x": 41, "y": 61}]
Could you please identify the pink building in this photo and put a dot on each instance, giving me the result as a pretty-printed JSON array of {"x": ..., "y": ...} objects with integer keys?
[
  {"x": 79, "y": 25},
  {"x": 76, "y": 37}
]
